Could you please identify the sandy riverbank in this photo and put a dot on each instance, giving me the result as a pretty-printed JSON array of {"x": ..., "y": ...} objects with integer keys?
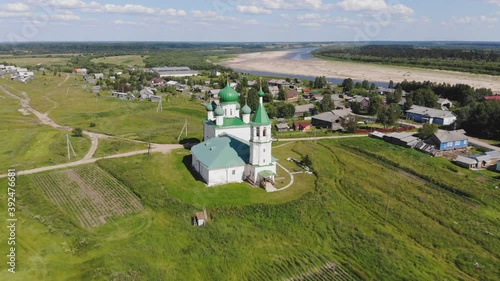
[{"x": 277, "y": 62}]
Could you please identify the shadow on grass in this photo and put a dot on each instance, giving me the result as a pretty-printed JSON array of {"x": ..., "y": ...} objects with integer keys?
[
  {"x": 187, "y": 160},
  {"x": 189, "y": 142}
]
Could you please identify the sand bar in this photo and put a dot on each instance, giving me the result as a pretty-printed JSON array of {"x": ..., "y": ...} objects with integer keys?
[{"x": 278, "y": 62}]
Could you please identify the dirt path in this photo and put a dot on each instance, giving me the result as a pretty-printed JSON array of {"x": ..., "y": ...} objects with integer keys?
[
  {"x": 292, "y": 179},
  {"x": 162, "y": 148}
]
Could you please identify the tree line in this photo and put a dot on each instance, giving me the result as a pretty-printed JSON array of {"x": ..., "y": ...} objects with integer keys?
[{"x": 466, "y": 59}]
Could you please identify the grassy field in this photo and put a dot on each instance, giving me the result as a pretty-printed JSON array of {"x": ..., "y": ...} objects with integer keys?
[
  {"x": 73, "y": 106},
  {"x": 377, "y": 211},
  {"x": 113, "y": 146},
  {"x": 27, "y": 144},
  {"x": 134, "y": 60}
]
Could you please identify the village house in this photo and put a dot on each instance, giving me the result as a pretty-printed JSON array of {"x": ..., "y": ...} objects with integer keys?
[
  {"x": 274, "y": 90},
  {"x": 304, "y": 110},
  {"x": 364, "y": 102},
  {"x": 214, "y": 93},
  {"x": 279, "y": 82},
  {"x": 98, "y": 76},
  {"x": 282, "y": 127},
  {"x": 332, "y": 120},
  {"x": 292, "y": 95},
  {"x": 120, "y": 95},
  {"x": 302, "y": 126},
  {"x": 405, "y": 139},
  {"x": 146, "y": 93},
  {"x": 466, "y": 162},
  {"x": 431, "y": 115},
  {"x": 80, "y": 71},
  {"x": 448, "y": 140},
  {"x": 157, "y": 82}
]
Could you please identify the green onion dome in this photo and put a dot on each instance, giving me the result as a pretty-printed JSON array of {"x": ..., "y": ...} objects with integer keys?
[
  {"x": 219, "y": 111},
  {"x": 209, "y": 106},
  {"x": 246, "y": 109},
  {"x": 261, "y": 93},
  {"x": 238, "y": 106},
  {"x": 228, "y": 94}
]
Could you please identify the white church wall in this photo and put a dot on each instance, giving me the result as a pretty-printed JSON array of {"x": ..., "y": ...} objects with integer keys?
[
  {"x": 222, "y": 176},
  {"x": 239, "y": 132}
]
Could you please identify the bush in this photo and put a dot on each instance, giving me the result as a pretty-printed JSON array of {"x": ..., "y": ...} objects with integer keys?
[
  {"x": 92, "y": 124},
  {"x": 77, "y": 132}
]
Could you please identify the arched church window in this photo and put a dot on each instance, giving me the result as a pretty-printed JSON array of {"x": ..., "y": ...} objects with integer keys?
[
  {"x": 258, "y": 131},
  {"x": 264, "y": 132}
]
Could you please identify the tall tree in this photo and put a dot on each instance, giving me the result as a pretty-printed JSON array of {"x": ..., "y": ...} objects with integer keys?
[
  {"x": 375, "y": 103},
  {"x": 326, "y": 103},
  {"x": 365, "y": 84},
  {"x": 389, "y": 115},
  {"x": 347, "y": 85}
]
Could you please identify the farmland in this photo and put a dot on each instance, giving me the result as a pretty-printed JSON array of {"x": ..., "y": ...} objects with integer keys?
[
  {"x": 88, "y": 193},
  {"x": 374, "y": 215}
]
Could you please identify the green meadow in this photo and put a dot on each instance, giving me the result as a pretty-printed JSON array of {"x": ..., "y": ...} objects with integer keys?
[
  {"x": 67, "y": 103},
  {"x": 376, "y": 211}
]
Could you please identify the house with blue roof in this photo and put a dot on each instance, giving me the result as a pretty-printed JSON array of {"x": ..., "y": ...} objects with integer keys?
[{"x": 236, "y": 147}]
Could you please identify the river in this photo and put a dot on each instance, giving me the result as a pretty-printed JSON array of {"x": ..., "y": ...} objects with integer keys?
[{"x": 302, "y": 54}]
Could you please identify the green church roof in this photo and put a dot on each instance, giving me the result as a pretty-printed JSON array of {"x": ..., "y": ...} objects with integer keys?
[
  {"x": 222, "y": 152},
  {"x": 228, "y": 94},
  {"x": 261, "y": 116}
]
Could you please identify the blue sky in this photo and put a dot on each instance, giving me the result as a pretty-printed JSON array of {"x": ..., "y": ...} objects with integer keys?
[{"x": 249, "y": 20}]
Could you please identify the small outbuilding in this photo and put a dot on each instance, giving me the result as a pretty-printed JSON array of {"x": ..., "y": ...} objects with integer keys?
[{"x": 466, "y": 162}]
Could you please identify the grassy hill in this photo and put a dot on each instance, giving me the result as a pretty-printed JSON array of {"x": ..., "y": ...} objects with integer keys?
[{"x": 377, "y": 211}]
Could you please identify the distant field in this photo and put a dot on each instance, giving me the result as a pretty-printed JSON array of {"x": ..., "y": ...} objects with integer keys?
[
  {"x": 33, "y": 61},
  {"x": 88, "y": 194},
  {"x": 136, "y": 60}
]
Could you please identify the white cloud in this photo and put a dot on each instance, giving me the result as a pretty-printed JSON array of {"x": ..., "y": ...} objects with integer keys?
[
  {"x": 295, "y": 4},
  {"x": 494, "y": 2},
  {"x": 309, "y": 16},
  {"x": 203, "y": 14},
  {"x": 311, "y": 24},
  {"x": 15, "y": 7},
  {"x": 375, "y": 6},
  {"x": 65, "y": 17},
  {"x": 474, "y": 20},
  {"x": 251, "y": 22},
  {"x": 400, "y": 9},
  {"x": 122, "y": 22},
  {"x": 97, "y": 7},
  {"x": 363, "y": 5},
  {"x": 252, "y": 10},
  {"x": 14, "y": 14}
]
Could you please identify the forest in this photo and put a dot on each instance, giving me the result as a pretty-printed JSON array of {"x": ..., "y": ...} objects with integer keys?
[{"x": 457, "y": 58}]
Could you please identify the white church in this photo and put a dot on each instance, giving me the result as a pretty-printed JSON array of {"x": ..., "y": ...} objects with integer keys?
[{"x": 236, "y": 148}]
